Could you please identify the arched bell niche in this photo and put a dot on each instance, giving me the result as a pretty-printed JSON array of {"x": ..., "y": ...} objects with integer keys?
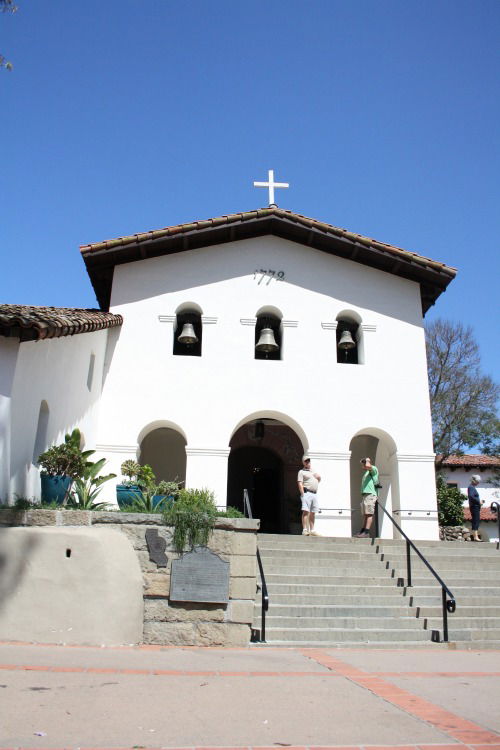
[{"x": 350, "y": 349}]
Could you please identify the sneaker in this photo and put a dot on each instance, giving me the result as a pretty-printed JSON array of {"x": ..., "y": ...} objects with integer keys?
[
  {"x": 305, "y": 532},
  {"x": 314, "y": 533},
  {"x": 362, "y": 534}
]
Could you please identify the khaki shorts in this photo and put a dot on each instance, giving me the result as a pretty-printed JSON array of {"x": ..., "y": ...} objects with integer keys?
[{"x": 368, "y": 504}]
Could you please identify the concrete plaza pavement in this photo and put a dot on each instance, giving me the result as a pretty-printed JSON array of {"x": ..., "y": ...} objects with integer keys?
[{"x": 256, "y": 697}]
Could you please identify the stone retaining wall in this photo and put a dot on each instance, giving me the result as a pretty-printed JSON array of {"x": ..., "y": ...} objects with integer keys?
[{"x": 166, "y": 622}]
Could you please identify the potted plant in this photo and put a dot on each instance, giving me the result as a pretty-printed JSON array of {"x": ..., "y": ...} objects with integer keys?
[
  {"x": 136, "y": 478},
  {"x": 166, "y": 493},
  {"x": 60, "y": 465}
]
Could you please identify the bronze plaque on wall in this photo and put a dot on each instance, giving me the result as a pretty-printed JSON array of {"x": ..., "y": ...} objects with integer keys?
[{"x": 200, "y": 576}]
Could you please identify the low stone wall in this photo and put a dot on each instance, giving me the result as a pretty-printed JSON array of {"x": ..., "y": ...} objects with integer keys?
[{"x": 166, "y": 622}]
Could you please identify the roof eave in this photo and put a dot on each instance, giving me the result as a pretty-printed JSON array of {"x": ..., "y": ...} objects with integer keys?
[{"x": 100, "y": 259}]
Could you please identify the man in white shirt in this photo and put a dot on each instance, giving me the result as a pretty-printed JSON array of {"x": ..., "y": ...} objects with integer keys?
[{"x": 308, "y": 483}]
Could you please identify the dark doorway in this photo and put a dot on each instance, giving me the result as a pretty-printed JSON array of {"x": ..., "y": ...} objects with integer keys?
[{"x": 260, "y": 471}]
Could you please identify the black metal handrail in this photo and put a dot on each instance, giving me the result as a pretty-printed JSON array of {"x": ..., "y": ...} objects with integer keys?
[
  {"x": 495, "y": 507},
  {"x": 263, "y": 586},
  {"x": 448, "y": 605}
]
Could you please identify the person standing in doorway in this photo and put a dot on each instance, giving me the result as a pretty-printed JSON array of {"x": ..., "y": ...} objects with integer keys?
[
  {"x": 474, "y": 505},
  {"x": 369, "y": 495},
  {"x": 308, "y": 482}
]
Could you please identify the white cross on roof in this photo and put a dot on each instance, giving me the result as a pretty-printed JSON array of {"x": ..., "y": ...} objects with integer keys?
[{"x": 271, "y": 184}]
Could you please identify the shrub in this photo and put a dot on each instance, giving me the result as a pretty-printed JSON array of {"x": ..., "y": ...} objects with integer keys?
[
  {"x": 230, "y": 512},
  {"x": 450, "y": 504},
  {"x": 193, "y": 517}
]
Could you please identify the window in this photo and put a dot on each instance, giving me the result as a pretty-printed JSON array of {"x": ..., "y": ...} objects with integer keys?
[
  {"x": 90, "y": 374},
  {"x": 41, "y": 431}
]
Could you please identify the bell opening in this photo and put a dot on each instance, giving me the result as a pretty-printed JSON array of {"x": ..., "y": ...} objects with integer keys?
[
  {"x": 188, "y": 335},
  {"x": 347, "y": 346},
  {"x": 268, "y": 338}
]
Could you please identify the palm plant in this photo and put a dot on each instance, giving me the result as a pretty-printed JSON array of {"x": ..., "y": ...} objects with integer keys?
[{"x": 87, "y": 487}]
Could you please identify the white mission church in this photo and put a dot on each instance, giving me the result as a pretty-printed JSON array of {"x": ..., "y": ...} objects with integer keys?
[{"x": 215, "y": 358}]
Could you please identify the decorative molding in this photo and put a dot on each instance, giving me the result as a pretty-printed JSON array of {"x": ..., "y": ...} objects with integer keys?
[
  {"x": 222, "y": 452},
  {"x": 248, "y": 321},
  {"x": 417, "y": 515},
  {"x": 290, "y": 323},
  {"x": 329, "y": 456},
  {"x": 205, "y": 319},
  {"x": 415, "y": 457},
  {"x": 329, "y": 326},
  {"x": 368, "y": 328},
  {"x": 105, "y": 448}
]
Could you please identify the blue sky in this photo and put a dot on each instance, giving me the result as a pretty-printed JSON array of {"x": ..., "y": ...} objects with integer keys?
[{"x": 124, "y": 115}]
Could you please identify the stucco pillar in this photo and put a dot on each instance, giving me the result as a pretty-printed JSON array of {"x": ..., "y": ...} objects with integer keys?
[
  {"x": 207, "y": 467},
  {"x": 417, "y": 509},
  {"x": 334, "y": 494}
]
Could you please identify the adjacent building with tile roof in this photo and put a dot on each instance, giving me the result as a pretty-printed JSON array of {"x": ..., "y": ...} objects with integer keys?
[
  {"x": 224, "y": 349},
  {"x": 458, "y": 470}
]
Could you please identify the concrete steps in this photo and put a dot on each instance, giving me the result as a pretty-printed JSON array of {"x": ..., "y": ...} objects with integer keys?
[{"x": 340, "y": 592}]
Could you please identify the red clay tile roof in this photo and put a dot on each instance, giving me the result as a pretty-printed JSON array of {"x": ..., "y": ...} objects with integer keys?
[
  {"x": 29, "y": 323},
  {"x": 469, "y": 461},
  {"x": 101, "y": 257},
  {"x": 486, "y": 514}
]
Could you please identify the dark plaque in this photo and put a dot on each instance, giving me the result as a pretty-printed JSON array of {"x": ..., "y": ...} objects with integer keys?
[
  {"x": 200, "y": 576},
  {"x": 156, "y": 546}
]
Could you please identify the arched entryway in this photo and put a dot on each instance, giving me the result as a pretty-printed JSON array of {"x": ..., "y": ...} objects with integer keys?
[
  {"x": 381, "y": 448},
  {"x": 264, "y": 459},
  {"x": 164, "y": 449}
]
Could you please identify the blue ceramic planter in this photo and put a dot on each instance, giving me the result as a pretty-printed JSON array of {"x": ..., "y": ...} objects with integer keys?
[
  {"x": 166, "y": 501},
  {"x": 126, "y": 494},
  {"x": 54, "y": 488}
]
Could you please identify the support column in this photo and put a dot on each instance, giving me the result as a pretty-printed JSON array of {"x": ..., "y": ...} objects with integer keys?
[
  {"x": 207, "y": 467},
  {"x": 417, "y": 509},
  {"x": 334, "y": 494}
]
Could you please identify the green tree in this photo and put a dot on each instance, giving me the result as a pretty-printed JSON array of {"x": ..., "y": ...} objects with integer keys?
[
  {"x": 463, "y": 399},
  {"x": 6, "y": 6},
  {"x": 450, "y": 504}
]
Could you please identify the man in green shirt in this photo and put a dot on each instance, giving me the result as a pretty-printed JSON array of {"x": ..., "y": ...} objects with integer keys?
[{"x": 369, "y": 495}]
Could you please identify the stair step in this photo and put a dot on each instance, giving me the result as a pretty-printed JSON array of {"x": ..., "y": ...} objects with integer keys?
[
  {"x": 340, "y": 592},
  {"x": 341, "y": 635},
  {"x": 347, "y": 624},
  {"x": 305, "y": 611}
]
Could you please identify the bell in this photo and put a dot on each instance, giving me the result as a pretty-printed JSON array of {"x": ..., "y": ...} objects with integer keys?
[
  {"x": 266, "y": 342},
  {"x": 188, "y": 336},
  {"x": 346, "y": 341}
]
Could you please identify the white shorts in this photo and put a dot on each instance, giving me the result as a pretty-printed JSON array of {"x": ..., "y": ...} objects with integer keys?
[{"x": 310, "y": 502}]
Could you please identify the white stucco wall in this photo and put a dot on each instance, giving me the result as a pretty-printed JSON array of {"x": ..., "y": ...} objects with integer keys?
[
  {"x": 54, "y": 371},
  {"x": 206, "y": 398}
]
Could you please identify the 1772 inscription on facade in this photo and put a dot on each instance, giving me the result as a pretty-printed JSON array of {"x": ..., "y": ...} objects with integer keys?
[{"x": 200, "y": 576}]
